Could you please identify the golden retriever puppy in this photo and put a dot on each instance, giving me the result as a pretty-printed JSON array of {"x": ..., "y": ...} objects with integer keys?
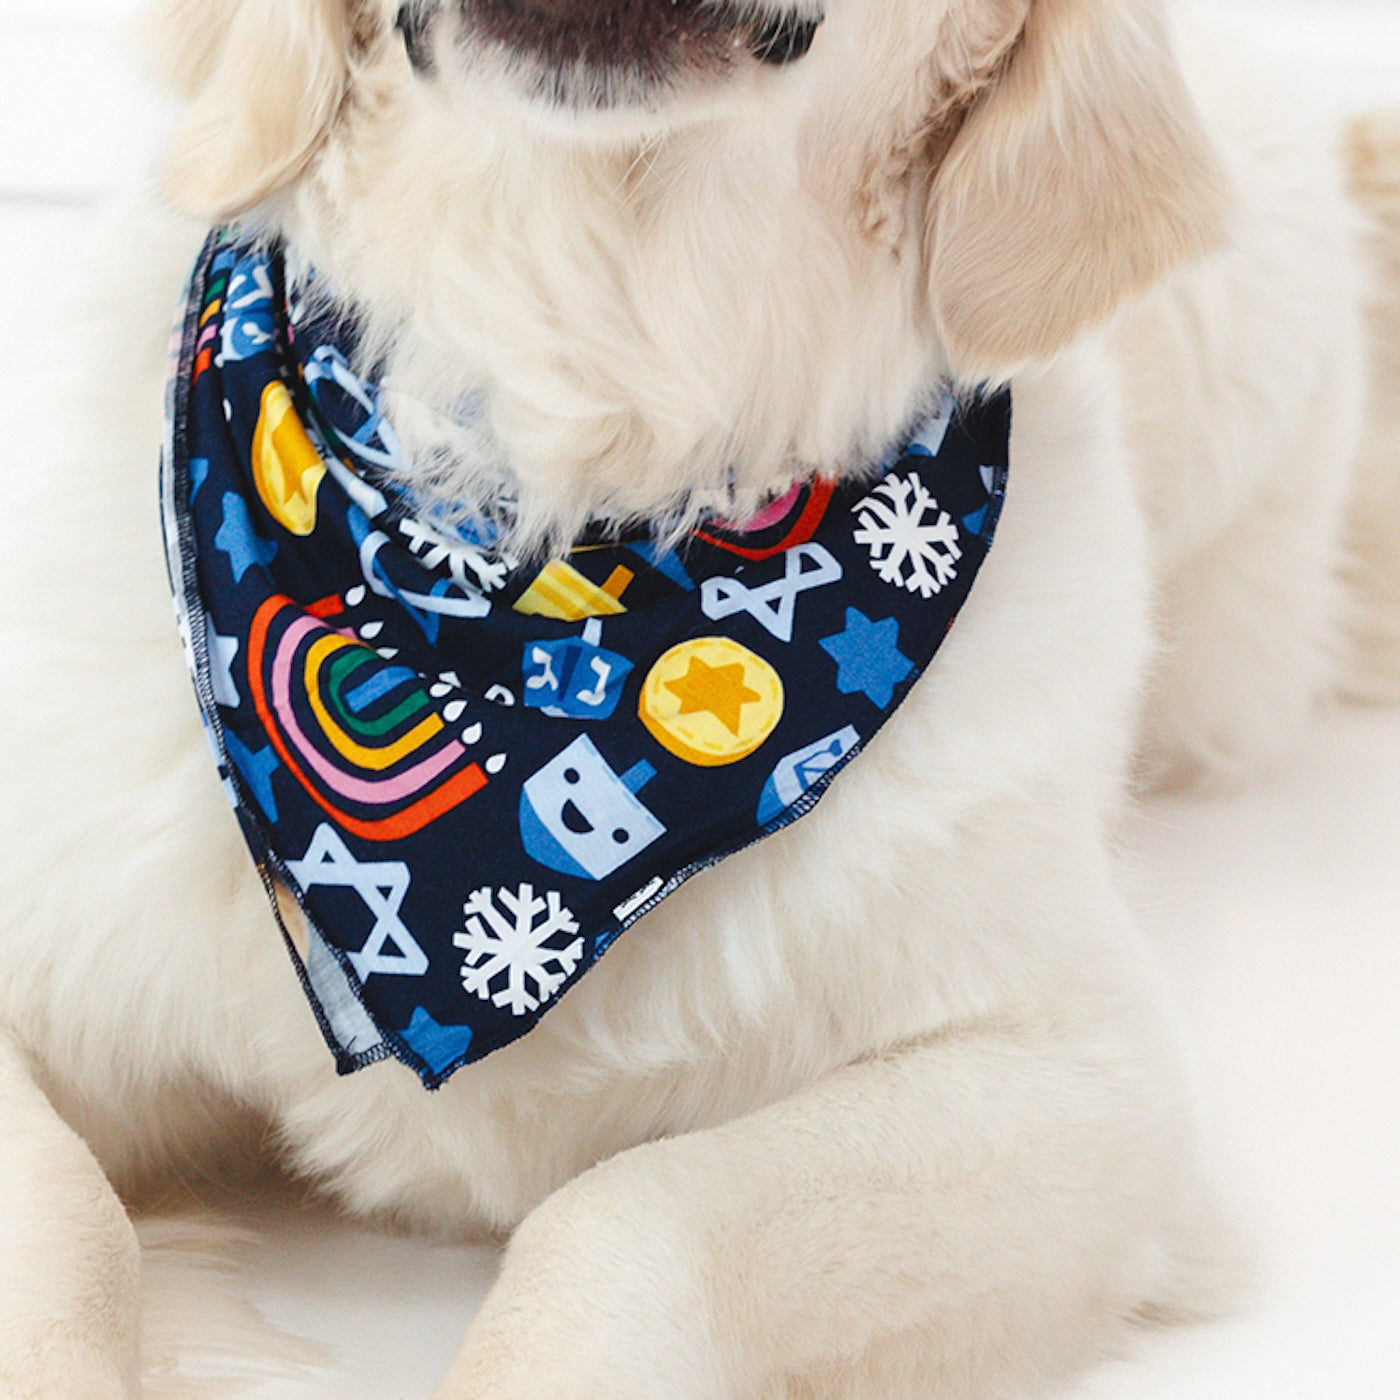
[{"x": 885, "y": 1104}]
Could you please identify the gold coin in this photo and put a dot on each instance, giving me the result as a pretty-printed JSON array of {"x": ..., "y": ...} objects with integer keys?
[
  {"x": 711, "y": 701},
  {"x": 286, "y": 465}
]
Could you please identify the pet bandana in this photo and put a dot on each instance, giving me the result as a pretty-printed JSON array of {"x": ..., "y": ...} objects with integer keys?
[{"x": 472, "y": 775}]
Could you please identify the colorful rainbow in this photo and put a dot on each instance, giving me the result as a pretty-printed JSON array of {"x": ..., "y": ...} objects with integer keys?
[
  {"x": 805, "y": 506},
  {"x": 359, "y": 733},
  {"x": 209, "y": 325}
]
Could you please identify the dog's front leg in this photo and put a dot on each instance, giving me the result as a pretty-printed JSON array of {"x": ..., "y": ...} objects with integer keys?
[
  {"x": 69, "y": 1261},
  {"x": 956, "y": 1219}
]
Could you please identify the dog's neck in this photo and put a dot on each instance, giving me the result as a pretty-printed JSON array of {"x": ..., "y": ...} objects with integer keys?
[{"x": 640, "y": 331}]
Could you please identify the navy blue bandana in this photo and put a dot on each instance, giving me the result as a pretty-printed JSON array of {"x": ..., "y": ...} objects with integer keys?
[{"x": 472, "y": 776}]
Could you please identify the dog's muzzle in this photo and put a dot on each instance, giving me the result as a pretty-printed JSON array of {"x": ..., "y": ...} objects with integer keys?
[{"x": 638, "y": 40}]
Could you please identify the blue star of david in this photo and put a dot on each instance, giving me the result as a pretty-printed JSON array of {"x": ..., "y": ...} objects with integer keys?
[
  {"x": 868, "y": 658},
  {"x": 439, "y": 1046},
  {"x": 237, "y": 538},
  {"x": 256, "y": 769}
]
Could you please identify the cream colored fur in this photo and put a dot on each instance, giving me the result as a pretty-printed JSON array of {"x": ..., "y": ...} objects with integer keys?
[
  {"x": 1373, "y": 574},
  {"x": 886, "y": 1106}
]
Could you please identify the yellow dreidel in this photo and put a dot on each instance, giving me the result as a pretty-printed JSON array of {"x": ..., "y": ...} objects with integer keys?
[{"x": 562, "y": 592}]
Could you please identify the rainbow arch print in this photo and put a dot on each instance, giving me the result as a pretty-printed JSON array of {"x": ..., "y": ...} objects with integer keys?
[{"x": 358, "y": 732}]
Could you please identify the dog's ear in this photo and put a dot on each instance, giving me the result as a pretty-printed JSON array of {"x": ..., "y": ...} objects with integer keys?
[
  {"x": 1079, "y": 176},
  {"x": 262, "y": 79}
]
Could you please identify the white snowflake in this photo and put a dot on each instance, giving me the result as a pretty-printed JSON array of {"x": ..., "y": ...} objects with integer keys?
[
  {"x": 512, "y": 960},
  {"x": 433, "y": 549},
  {"x": 913, "y": 542}
]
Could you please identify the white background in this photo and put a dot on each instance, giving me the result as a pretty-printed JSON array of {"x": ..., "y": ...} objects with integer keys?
[{"x": 1277, "y": 910}]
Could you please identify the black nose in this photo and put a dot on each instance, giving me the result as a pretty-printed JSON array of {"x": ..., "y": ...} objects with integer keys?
[
  {"x": 414, "y": 22},
  {"x": 602, "y": 52},
  {"x": 783, "y": 39}
]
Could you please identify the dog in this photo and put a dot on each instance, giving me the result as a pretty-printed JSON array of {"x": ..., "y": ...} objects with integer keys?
[{"x": 888, "y": 1103}]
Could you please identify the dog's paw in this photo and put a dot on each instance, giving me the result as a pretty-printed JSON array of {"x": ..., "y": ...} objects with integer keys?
[{"x": 601, "y": 1297}]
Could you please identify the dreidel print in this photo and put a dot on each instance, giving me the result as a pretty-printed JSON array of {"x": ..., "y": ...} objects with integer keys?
[
  {"x": 577, "y": 816},
  {"x": 800, "y": 772},
  {"x": 563, "y": 593},
  {"x": 576, "y": 678}
]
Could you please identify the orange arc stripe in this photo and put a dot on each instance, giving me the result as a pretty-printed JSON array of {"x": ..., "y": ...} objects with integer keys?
[{"x": 823, "y": 488}]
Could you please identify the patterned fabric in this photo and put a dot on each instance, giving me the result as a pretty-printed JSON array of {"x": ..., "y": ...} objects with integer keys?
[{"x": 470, "y": 775}]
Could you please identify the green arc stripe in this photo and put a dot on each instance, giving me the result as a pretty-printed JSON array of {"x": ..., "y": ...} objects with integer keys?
[{"x": 342, "y": 670}]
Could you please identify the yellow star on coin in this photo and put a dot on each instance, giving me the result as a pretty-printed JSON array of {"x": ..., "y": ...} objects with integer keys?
[
  {"x": 718, "y": 690},
  {"x": 711, "y": 701}
]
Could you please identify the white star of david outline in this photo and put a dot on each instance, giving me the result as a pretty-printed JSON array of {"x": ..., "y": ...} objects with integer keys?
[
  {"x": 382, "y": 885},
  {"x": 772, "y": 605},
  {"x": 223, "y": 652}
]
